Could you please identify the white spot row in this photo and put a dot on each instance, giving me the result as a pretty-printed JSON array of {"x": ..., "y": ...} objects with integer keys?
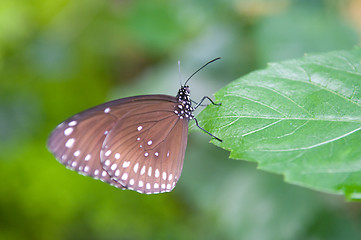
[{"x": 148, "y": 186}]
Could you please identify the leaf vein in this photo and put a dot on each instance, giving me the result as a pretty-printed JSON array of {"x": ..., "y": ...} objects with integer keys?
[{"x": 308, "y": 147}]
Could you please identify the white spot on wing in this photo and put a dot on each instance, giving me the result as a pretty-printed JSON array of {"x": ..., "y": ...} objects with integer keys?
[
  {"x": 146, "y": 154},
  {"x": 138, "y": 138},
  {"x": 131, "y": 181},
  {"x": 107, "y": 110},
  {"x": 170, "y": 177},
  {"x": 148, "y": 186},
  {"x": 69, "y": 143},
  {"x": 156, "y": 154},
  {"x": 96, "y": 172},
  {"x": 143, "y": 170},
  {"x": 150, "y": 142},
  {"x": 126, "y": 164},
  {"x": 136, "y": 167},
  {"x": 77, "y": 153},
  {"x": 117, "y": 156},
  {"x": 72, "y": 123},
  {"x": 68, "y": 131},
  {"x": 107, "y": 162},
  {"x": 87, "y": 157},
  {"x": 108, "y": 153},
  {"x": 140, "y": 184},
  {"x": 150, "y": 171},
  {"x": 125, "y": 176},
  {"x": 140, "y": 128},
  {"x": 164, "y": 175},
  {"x": 156, "y": 173},
  {"x": 117, "y": 173},
  {"x": 156, "y": 185},
  {"x": 168, "y": 154},
  {"x": 113, "y": 167}
]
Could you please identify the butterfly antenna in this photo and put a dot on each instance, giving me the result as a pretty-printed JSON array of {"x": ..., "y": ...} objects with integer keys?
[
  {"x": 179, "y": 73},
  {"x": 201, "y": 69}
]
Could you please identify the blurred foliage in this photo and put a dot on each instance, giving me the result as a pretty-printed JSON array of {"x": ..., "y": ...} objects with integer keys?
[{"x": 62, "y": 56}]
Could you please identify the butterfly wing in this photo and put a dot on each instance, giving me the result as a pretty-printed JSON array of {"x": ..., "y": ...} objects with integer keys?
[
  {"x": 144, "y": 151},
  {"x": 79, "y": 141}
]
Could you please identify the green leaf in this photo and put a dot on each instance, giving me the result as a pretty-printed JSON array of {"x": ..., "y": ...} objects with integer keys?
[{"x": 300, "y": 118}]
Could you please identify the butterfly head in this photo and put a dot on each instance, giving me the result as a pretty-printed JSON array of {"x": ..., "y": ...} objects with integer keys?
[{"x": 184, "y": 94}]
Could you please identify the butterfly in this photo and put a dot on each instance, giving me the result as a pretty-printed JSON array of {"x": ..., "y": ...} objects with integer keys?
[{"x": 136, "y": 143}]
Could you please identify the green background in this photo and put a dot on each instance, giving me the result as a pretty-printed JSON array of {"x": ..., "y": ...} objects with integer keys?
[{"x": 60, "y": 57}]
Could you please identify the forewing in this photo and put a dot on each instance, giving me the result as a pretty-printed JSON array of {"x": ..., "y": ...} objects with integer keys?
[
  {"x": 77, "y": 142},
  {"x": 144, "y": 151}
]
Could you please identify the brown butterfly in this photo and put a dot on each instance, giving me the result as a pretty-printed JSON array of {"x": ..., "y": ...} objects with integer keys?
[{"x": 135, "y": 143}]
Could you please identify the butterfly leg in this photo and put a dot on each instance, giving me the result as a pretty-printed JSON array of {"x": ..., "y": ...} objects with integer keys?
[
  {"x": 202, "y": 105},
  {"x": 206, "y": 131},
  {"x": 202, "y": 100}
]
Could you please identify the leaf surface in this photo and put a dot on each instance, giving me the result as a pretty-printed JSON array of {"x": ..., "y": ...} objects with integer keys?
[{"x": 300, "y": 118}]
